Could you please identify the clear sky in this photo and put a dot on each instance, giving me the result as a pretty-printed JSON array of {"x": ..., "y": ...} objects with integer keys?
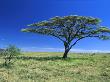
[{"x": 17, "y": 14}]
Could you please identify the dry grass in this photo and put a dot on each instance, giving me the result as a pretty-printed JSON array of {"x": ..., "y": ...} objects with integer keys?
[{"x": 50, "y": 67}]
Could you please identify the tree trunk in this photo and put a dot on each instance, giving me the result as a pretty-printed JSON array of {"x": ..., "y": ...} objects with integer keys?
[{"x": 65, "y": 53}]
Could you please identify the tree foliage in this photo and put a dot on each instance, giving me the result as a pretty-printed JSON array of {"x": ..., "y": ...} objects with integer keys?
[{"x": 70, "y": 29}]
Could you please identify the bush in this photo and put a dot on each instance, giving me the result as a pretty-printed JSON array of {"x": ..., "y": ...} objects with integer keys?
[
  {"x": 9, "y": 53},
  {"x": 1, "y": 51}
]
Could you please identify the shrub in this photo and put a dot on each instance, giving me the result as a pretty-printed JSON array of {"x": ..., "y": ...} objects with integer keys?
[{"x": 9, "y": 53}]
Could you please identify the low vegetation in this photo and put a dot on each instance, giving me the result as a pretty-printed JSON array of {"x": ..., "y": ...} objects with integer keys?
[
  {"x": 50, "y": 67},
  {"x": 9, "y": 53}
]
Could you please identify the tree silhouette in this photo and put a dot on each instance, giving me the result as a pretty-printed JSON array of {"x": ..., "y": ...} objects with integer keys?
[{"x": 70, "y": 29}]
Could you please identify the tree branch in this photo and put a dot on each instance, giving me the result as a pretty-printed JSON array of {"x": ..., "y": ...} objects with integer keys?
[
  {"x": 58, "y": 38},
  {"x": 80, "y": 39},
  {"x": 76, "y": 42}
]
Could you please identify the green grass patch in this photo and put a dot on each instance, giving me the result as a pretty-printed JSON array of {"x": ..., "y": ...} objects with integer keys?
[{"x": 50, "y": 67}]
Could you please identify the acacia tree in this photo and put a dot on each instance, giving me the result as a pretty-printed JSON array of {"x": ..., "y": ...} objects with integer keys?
[{"x": 70, "y": 29}]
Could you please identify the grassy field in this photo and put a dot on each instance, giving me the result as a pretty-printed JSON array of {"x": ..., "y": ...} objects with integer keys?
[{"x": 50, "y": 67}]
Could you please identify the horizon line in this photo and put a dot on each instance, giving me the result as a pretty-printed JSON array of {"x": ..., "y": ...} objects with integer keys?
[{"x": 50, "y": 49}]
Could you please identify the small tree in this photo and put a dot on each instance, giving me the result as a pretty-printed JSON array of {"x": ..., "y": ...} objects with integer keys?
[
  {"x": 70, "y": 29},
  {"x": 9, "y": 53}
]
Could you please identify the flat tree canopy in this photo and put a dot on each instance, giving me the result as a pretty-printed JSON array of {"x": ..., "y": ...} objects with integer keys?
[{"x": 70, "y": 29}]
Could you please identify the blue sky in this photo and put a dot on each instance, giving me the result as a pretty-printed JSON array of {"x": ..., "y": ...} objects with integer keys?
[{"x": 17, "y": 14}]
